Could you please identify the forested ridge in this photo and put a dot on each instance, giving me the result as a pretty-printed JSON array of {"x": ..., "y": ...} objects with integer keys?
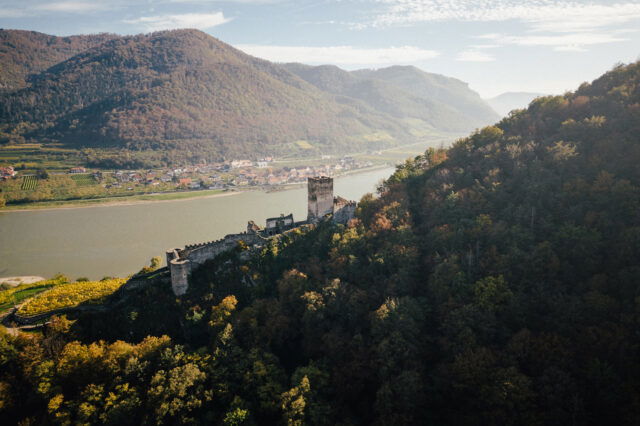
[
  {"x": 494, "y": 283},
  {"x": 405, "y": 93},
  {"x": 188, "y": 94},
  {"x": 26, "y": 53}
]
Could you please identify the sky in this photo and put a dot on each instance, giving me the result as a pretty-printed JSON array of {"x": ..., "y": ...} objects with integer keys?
[{"x": 542, "y": 46}]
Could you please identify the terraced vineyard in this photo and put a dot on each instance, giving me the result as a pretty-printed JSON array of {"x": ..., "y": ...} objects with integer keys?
[
  {"x": 17, "y": 294},
  {"x": 29, "y": 183},
  {"x": 84, "y": 179},
  {"x": 70, "y": 295}
]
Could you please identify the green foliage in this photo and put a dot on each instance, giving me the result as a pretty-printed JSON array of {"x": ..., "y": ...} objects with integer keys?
[
  {"x": 154, "y": 264},
  {"x": 497, "y": 284},
  {"x": 42, "y": 174},
  {"x": 29, "y": 183},
  {"x": 84, "y": 179}
]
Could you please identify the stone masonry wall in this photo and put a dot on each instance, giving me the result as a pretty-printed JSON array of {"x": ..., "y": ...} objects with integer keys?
[
  {"x": 182, "y": 261},
  {"x": 319, "y": 198},
  {"x": 344, "y": 212}
]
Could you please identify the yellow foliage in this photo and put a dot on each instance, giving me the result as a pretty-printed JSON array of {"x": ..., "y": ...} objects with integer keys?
[
  {"x": 6, "y": 295},
  {"x": 70, "y": 295}
]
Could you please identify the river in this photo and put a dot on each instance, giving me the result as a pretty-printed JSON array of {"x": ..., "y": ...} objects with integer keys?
[{"x": 118, "y": 240}]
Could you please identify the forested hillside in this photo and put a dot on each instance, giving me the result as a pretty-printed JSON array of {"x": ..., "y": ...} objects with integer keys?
[
  {"x": 494, "y": 283},
  {"x": 430, "y": 100},
  {"x": 184, "y": 89},
  {"x": 188, "y": 95},
  {"x": 437, "y": 89},
  {"x": 23, "y": 53}
]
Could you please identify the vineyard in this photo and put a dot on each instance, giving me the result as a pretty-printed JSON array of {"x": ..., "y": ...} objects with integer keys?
[
  {"x": 29, "y": 183},
  {"x": 84, "y": 179},
  {"x": 17, "y": 294},
  {"x": 70, "y": 295}
]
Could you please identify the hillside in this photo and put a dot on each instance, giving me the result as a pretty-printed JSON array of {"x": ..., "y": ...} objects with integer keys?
[
  {"x": 399, "y": 101},
  {"x": 191, "y": 97},
  {"x": 186, "y": 90},
  {"x": 23, "y": 53},
  {"x": 495, "y": 283},
  {"x": 436, "y": 88},
  {"x": 504, "y": 103}
]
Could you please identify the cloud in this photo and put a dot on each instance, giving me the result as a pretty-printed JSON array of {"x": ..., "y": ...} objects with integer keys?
[
  {"x": 542, "y": 15},
  {"x": 11, "y": 13},
  {"x": 72, "y": 6},
  {"x": 562, "y": 42},
  {"x": 570, "y": 48},
  {"x": 186, "y": 20},
  {"x": 474, "y": 56},
  {"x": 228, "y": 1},
  {"x": 341, "y": 55}
]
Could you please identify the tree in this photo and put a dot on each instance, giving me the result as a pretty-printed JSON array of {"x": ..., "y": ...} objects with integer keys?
[{"x": 42, "y": 174}]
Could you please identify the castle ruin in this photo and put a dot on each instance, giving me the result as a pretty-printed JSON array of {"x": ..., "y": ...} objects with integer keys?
[
  {"x": 319, "y": 198},
  {"x": 321, "y": 205}
]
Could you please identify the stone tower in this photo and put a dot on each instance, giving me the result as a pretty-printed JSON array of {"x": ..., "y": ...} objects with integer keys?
[{"x": 320, "y": 198}]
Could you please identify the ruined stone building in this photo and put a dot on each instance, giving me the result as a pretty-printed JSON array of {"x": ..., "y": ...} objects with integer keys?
[
  {"x": 319, "y": 198},
  {"x": 321, "y": 206},
  {"x": 277, "y": 225}
]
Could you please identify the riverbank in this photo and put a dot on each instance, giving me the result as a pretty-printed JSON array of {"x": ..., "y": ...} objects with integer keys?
[
  {"x": 160, "y": 197},
  {"x": 118, "y": 201}
]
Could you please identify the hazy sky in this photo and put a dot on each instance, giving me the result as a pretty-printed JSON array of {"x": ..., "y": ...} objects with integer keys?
[{"x": 546, "y": 46}]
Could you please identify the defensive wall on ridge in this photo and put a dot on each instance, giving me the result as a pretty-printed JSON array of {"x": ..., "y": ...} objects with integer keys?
[
  {"x": 321, "y": 205},
  {"x": 182, "y": 261}
]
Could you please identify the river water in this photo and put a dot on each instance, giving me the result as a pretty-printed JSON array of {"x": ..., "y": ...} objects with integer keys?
[{"x": 118, "y": 240}]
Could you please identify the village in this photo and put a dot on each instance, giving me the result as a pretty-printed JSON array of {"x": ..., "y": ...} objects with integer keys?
[
  {"x": 20, "y": 186},
  {"x": 225, "y": 175},
  {"x": 231, "y": 174}
]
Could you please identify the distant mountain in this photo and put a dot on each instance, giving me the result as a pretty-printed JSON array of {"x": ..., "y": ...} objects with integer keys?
[
  {"x": 23, "y": 53},
  {"x": 437, "y": 88},
  {"x": 185, "y": 91},
  {"x": 400, "y": 100},
  {"x": 506, "y": 102}
]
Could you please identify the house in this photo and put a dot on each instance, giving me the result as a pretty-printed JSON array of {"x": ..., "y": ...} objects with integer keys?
[
  {"x": 184, "y": 182},
  {"x": 78, "y": 170},
  {"x": 7, "y": 172},
  {"x": 236, "y": 164}
]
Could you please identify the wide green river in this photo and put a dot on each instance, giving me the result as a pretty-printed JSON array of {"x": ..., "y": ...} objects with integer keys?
[{"x": 118, "y": 240}]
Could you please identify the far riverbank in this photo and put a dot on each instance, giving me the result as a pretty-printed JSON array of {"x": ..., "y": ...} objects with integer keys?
[{"x": 159, "y": 197}]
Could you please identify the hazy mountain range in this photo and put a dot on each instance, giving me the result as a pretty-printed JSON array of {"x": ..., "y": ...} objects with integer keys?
[
  {"x": 184, "y": 89},
  {"x": 506, "y": 102}
]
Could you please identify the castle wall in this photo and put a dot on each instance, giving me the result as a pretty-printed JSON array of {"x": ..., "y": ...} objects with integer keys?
[
  {"x": 319, "y": 198},
  {"x": 201, "y": 254},
  {"x": 182, "y": 262},
  {"x": 320, "y": 203},
  {"x": 344, "y": 212}
]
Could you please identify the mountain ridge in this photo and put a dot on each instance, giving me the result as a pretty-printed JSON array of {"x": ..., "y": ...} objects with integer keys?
[
  {"x": 506, "y": 102},
  {"x": 186, "y": 90}
]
